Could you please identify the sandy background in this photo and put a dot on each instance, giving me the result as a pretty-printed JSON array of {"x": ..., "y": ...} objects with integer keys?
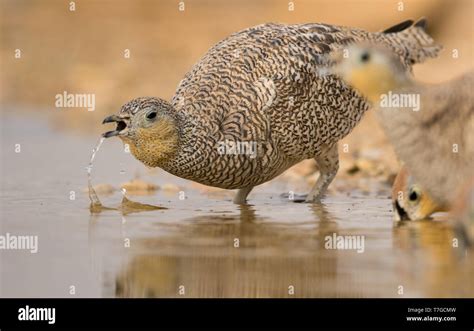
[{"x": 82, "y": 51}]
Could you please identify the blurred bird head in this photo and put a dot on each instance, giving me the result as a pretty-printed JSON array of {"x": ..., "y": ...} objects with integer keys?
[
  {"x": 148, "y": 126},
  {"x": 371, "y": 69},
  {"x": 410, "y": 201}
]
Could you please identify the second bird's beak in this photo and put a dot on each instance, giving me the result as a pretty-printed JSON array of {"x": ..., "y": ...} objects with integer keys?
[
  {"x": 121, "y": 125},
  {"x": 400, "y": 213}
]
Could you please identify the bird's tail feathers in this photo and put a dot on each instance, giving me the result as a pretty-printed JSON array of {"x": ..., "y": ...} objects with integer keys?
[{"x": 411, "y": 38}]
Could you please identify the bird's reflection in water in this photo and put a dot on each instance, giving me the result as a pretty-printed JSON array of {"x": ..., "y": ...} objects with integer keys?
[
  {"x": 434, "y": 260},
  {"x": 251, "y": 252},
  {"x": 327, "y": 223},
  {"x": 238, "y": 255}
]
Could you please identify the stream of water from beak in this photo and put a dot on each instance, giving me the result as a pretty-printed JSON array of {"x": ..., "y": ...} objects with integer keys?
[
  {"x": 95, "y": 205},
  {"x": 127, "y": 206}
]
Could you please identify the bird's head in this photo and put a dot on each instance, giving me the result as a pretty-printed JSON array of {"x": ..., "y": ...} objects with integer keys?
[
  {"x": 371, "y": 69},
  {"x": 410, "y": 201},
  {"x": 148, "y": 126}
]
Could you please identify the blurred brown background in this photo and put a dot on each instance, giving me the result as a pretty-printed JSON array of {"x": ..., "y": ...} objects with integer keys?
[{"x": 82, "y": 51}]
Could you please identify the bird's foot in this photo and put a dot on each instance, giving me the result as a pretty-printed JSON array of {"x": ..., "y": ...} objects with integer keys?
[
  {"x": 313, "y": 198},
  {"x": 297, "y": 198},
  {"x": 241, "y": 197}
]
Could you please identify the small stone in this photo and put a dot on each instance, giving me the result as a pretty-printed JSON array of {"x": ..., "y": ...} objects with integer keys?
[
  {"x": 138, "y": 186},
  {"x": 106, "y": 189}
]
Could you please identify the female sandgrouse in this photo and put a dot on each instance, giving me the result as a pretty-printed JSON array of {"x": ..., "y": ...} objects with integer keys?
[{"x": 255, "y": 105}]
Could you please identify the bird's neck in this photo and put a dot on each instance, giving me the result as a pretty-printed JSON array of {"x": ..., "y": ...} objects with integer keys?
[
  {"x": 183, "y": 144},
  {"x": 161, "y": 144}
]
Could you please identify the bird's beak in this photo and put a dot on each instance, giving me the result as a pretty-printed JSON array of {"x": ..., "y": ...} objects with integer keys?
[
  {"x": 122, "y": 122},
  {"x": 400, "y": 213}
]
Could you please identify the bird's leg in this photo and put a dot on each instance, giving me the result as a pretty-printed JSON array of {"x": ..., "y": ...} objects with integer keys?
[
  {"x": 241, "y": 195},
  {"x": 328, "y": 164}
]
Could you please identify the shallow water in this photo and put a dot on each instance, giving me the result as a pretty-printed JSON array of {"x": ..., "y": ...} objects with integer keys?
[
  {"x": 154, "y": 253},
  {"x": 95, "y": 205}
]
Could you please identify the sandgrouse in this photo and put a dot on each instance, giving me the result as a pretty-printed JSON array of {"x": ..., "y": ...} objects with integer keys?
[
  {"x": 434, "y": 137},
  {"x": 410, "y": 200},
  {"x": 256, "y": 104}
]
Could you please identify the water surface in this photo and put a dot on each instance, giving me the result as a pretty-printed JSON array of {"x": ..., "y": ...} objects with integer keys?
[{"x": 189, "y": 249}]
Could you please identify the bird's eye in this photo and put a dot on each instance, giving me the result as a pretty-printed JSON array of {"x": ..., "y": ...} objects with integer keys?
[
  {"x": 365, "y": 57},
  {"x": 414, "y": 195},
  {"x": 151, "y": 115}
]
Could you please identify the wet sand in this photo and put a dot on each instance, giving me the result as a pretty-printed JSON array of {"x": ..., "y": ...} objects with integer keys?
[{"x": 154, "y": 253}]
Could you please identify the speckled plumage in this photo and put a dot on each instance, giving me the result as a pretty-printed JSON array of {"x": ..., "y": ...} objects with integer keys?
[{"x": 263, "y": 85}]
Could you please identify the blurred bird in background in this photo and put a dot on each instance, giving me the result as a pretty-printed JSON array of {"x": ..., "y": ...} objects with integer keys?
[{"x": 436, "y": 142}]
